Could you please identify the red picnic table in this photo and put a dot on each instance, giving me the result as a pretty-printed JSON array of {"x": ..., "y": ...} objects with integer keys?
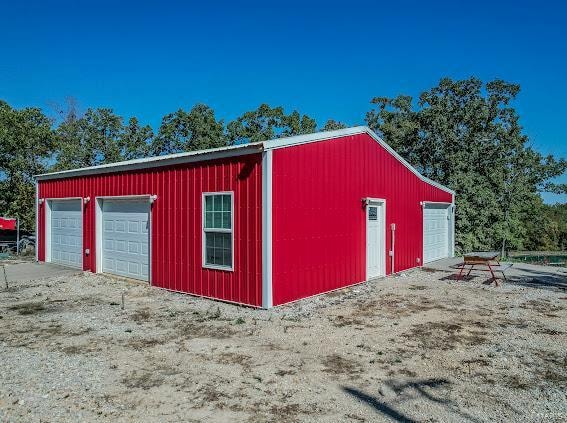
[{"x": 487, "y": 260}]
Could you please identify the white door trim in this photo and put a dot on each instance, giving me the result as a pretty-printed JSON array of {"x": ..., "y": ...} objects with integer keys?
[
  {"x": 98, "y": 226},
  {"x": 381, "y": 202},
  {"x": 48, "y": 203}
]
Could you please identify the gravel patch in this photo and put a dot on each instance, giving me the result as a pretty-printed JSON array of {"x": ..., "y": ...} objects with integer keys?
[{"x": 414, "y": 346}]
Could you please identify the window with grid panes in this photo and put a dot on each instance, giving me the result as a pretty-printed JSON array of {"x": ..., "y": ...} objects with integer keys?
[{"x": 217, "y": 227}]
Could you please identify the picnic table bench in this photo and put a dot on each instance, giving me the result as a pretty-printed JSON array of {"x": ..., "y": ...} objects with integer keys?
[{"x": 487, "y": 260}]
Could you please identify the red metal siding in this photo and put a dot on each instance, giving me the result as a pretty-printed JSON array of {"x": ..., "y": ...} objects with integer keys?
[
  {"x": 319, "y": 224},
  {"x": 176, "y": 261}
]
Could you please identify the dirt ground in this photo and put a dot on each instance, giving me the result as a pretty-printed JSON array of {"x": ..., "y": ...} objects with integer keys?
[{"x": 415, "y": 347}]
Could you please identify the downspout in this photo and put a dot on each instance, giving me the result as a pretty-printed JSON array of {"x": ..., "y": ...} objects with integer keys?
[
  {"x": 392, "y": 251},
  {"x": 36, "y": 220},
  {"x": 17, "y": 236}
]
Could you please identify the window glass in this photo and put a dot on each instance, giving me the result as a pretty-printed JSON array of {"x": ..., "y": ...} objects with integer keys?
[
  {"x": 218, "y": 212},
  {"x": 372, "y": 213},
  {"x": 218, "y": 249}
]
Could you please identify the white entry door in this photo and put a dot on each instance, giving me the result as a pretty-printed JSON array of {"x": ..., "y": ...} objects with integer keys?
[
  {"x": 435, "y": 232},
  {"x": 67, "y": 233},
  {"x": 375, "y": 240},
  {"x": 125, "y": 238}
]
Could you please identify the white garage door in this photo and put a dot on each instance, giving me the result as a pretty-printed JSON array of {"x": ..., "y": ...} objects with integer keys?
[
  {"x": 435, "y": 232},
  {"x": 125, "y": 238},
  {"x": 67, "y": 233}
]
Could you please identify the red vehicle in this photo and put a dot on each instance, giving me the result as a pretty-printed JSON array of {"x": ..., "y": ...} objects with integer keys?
[
  {"x": 7, "y": 224},
  {"x": 260, "y": 224}
]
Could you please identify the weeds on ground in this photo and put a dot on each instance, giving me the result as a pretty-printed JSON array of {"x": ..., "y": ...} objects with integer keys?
[{"x": 28, "y": 308}]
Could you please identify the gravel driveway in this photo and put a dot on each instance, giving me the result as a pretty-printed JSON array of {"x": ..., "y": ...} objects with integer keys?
[{"x": 413, "y": 347}]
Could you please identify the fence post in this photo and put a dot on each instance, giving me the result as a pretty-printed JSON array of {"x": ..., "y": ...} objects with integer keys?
[
  {"x": 17, "y": 236},
  {"x": 5, "y": 276}
]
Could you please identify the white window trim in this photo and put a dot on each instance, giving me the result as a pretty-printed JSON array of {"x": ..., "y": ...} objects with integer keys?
[{"x": 226, "y": 231}]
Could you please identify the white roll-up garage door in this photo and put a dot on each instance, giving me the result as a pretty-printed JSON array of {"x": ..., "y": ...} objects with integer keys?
[
  {"x": 125, "y": 238},
  {"x": 67, "y": 233},
  {"x": 436, "y": 229}
]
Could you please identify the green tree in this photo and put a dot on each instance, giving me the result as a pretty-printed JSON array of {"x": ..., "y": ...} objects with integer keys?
[
  {"x": 135, "y": 140},
  {"x": 466, "y": 135},
  {"x": 256, "y": 125},
  {"x": 26, "y": 144},
  {"x": 297, "y": 124},
  {"x": 181, "y": 131},
  {"x": 267, "y": 123},
  {"x": 99, "y": 137},
  {"x": 331, "y": 125},
  {"x": 548, "y": 231}
]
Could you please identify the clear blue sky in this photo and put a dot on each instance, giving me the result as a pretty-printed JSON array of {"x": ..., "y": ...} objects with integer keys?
[{"x": 325, "y": 59}]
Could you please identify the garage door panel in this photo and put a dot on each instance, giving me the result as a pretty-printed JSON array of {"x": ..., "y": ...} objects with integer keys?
[
  {"x": 145, "y": 270},
  {"x": 134, "y": 248},
  {"x": 126, "y": 238},
  {"x": 67, "y": 233}
]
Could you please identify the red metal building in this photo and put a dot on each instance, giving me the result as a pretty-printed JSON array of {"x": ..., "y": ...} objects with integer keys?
[{"x": 260, "y": 224}]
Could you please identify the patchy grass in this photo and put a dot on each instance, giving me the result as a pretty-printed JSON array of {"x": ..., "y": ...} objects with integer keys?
[
  {"x": 142, "y": 379},
  {"x": 518, "y": 383},
  {"x": 288, "y": 372},
  {"x": 444, "y": 335},
  {"x": 28, "y": 308},
  {"x": 199, "y": 329},
  {"x": 337, "y": 364},
  {"x": 288, "y": 412},
  {"x": 141, "y": 315},
  {"x": 230, "y": 358},
  {"x": 145, "y": 343},
  {"x": 417, "y": 287}
]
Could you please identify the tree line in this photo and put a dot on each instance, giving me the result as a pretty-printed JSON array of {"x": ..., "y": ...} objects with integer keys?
[{"x": 464, "y": 134}]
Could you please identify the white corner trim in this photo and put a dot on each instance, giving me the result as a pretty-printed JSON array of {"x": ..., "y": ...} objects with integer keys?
[{"x": 267, "y": 175}]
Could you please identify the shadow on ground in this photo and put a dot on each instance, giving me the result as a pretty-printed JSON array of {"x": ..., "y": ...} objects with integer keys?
[
  {"x": 532, "y": 278},
  {"x": 427, "y": 389},
  {"x": 543, "y": 280}
]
